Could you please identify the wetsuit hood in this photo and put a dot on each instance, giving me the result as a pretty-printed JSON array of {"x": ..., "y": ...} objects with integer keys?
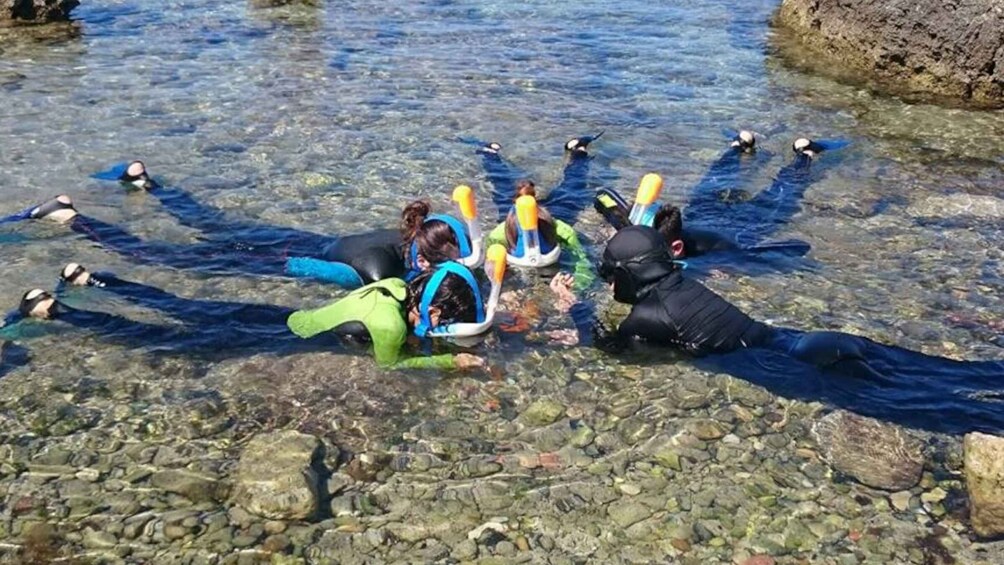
[{"x": 634, "y": 259}]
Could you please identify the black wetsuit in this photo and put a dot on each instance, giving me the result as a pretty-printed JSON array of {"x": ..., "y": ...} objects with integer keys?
[
  {"x": 565, "y": 201},
  {"x": 669, "y": 309}
]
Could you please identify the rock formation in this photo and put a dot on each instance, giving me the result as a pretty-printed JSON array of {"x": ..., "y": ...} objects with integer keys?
[{"x": 951, "y": 49}]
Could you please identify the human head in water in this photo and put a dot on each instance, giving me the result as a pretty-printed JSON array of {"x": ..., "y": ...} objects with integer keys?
[
  {"x": 669, "y": 223},
  {"x": 745, "y": 141},
  {"x": 37, "y": 303},
  {"x": 545, "y": 222},
  {"x": 634, "y": 259},
  {"x": 454, "y": 301},
  {"x": 435, "y": 240}
]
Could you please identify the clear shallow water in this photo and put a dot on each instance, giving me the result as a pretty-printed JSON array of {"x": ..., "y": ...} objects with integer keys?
[{"x": 332, "y": 118}]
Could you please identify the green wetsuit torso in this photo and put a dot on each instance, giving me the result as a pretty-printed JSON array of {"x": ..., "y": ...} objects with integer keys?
[{"x": 379, "y": 307}]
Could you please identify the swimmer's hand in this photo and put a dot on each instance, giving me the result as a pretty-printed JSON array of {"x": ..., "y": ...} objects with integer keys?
[
  {"x": 466, "y": 361},
  {"x": 561, "y": 285}
]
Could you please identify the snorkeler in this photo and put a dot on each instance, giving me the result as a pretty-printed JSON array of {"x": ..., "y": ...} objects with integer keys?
[
  {"x": 743, "y": 225},
  {"x": 349, "y": 261},
  {"x": 534, "y": 238},
  {"x": 437, "y": 303},
  {"x": 671, "y": 310},
  {"x": 565, "y": 201}
]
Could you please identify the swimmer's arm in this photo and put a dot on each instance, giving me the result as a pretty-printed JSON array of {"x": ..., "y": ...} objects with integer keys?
[
  {"x": 389, "y": 338},
  {"x": 582, "y": 269},
  {"x": 497, "y": 235}
]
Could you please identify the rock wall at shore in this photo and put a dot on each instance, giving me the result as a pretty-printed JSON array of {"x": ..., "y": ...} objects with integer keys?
[
  {"x": 945, "y": 48},
  {"x": 35, "y": 11}
]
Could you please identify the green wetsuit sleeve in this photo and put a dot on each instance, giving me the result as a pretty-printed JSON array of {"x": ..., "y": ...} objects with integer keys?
[
  {"x": 427, "y": 362},
  {"x": 582, "y": 269},
  {"x": 497, "y": 235}
]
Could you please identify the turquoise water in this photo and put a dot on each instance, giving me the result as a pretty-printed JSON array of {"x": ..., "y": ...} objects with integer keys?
[{"x": 332, "y": 118}]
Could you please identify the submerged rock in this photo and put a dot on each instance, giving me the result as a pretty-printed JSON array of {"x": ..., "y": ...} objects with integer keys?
[
  {"x": 954, "y": 49},
  {"x": 984, "y": 468},
  {"x": 36, "y": 11},
  {"x": 276, "y": 476},
  {"x": 874, "y": 453}
]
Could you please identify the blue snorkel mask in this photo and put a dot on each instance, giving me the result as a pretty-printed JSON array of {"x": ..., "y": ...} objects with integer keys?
[
  {"x": 529, "y": 250},
  {"x": 494, "y": 268}
]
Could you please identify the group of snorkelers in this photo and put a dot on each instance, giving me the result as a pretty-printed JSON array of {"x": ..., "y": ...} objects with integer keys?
[{"x": 423, "y": 278}]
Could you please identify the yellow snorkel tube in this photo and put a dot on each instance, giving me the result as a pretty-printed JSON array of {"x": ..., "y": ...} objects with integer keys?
[
  {"x": 645, "y": 202},
  {"x": 527, "y": 217},
  {"x": 463, "y": 195}
]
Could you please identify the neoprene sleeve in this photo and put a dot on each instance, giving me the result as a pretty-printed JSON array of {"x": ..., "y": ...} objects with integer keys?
[{"x": 378, "y": 306}]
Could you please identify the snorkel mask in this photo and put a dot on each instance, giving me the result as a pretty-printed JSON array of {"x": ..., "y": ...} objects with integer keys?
[
  {"x": 528, "y": 252},
  {"x": 495, "y": 266},
  {"x": 470, "y": 242},
  {"x": 645, "y": 202}
]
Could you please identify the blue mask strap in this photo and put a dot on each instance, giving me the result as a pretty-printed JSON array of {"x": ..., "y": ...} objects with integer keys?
[
  {"x": 459, "y": 230},
  {"x": 432, "y": 287}
]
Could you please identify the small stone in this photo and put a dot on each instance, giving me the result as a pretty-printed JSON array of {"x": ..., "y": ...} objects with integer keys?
[
  {"x": 901, "y": 500},
  {"x": 935, "y": 495},
  {"x": 542, "y": 412},
  {"x": 681, "y": 545},
  {"x": 626, "y": 513},
  {"x": 629, "y": 489},
  {"x": 276, "y": 478},
  {"x": 522, "y": 543},
  {"x": 275, "y": 527},
  {"x": 276, "y": 543},
  {"x": 466, "y": 550},
  {"x": 192, "y": 486},
  {"x": 99, "y": 540},
  {"x": 670, "y": 459}
]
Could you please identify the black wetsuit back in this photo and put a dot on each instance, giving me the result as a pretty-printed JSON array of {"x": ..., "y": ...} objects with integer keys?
[{"x": 684, "y": 313}]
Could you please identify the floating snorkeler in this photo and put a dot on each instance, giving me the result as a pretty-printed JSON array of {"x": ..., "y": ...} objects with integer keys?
[
  {"x": 669, "y": 309},
  {"x": 536, "y": 231},
  {"x": 444, "y": 302},
  {"x": 235, "y": 247},
  {"x": 743, "y": 226},
  {"x": 564, "y": 202}
]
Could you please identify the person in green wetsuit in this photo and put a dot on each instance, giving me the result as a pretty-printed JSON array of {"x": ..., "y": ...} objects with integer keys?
[
  {"x": 386, "y": 310},
  {"x": 382, "y": 313},
  {"x": 552, "y": 232}
]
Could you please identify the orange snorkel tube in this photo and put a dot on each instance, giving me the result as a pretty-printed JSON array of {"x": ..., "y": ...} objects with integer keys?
[
  {"x": 645, "y": 205},
  {"x": 463, "y": 195},
  {"x": 527, "y": 216}
]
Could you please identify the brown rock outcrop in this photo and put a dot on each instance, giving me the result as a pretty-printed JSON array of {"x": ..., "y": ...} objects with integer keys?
[{"x": 951, "y": 49}]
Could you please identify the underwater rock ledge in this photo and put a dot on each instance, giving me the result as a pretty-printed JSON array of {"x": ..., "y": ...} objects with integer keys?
[
  {"x": 35, "y": 11},
  {"x": 953, "y": 51}
]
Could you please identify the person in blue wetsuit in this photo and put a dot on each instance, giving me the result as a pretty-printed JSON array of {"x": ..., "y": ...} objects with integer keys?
[
  {"x": 668, "y": 309},
  {"x": 564, "y": 202},
  {"x": 723, "y": 225},
  {"x": 239, "y": 248},
  {"x": 380, "y": 314}
]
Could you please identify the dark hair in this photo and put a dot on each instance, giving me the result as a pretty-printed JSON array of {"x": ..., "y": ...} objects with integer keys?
[
  {"x": 436, "y": 241},
  {"x": 454, "y": 298},
  {"x": 669, "y": 223},
  {"x": 545, "y": 222}
]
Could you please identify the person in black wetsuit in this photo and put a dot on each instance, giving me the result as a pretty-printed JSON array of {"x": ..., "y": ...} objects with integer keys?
[
  {"x": 565, "y": 201},
  {"x": 669, "y": 309},
  {"x": 716, "y": 224},
  {"x": 243, "y": 248}
]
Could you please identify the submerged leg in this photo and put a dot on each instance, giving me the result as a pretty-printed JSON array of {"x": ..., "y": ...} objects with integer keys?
[
  {"x": 192, "y": 311},
  {"x": 502, "y": 175},
  {"x": 572, "y": 195}
]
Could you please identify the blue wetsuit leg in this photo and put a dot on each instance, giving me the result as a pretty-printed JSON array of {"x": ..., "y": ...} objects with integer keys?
[
  {"x": 704, "y": 204},
  {"x": 192, "y": 311},
  {"x": 214, "y": 223},
  {"x": 209, "y": 257},
  {"x": 503, "y": 176},
  {"x": 572, "y": 195},
  {"x": 760, "y": 217}
]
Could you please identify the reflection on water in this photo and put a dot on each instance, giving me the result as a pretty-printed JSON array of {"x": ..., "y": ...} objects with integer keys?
[{"x": 331, "y": 118}]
